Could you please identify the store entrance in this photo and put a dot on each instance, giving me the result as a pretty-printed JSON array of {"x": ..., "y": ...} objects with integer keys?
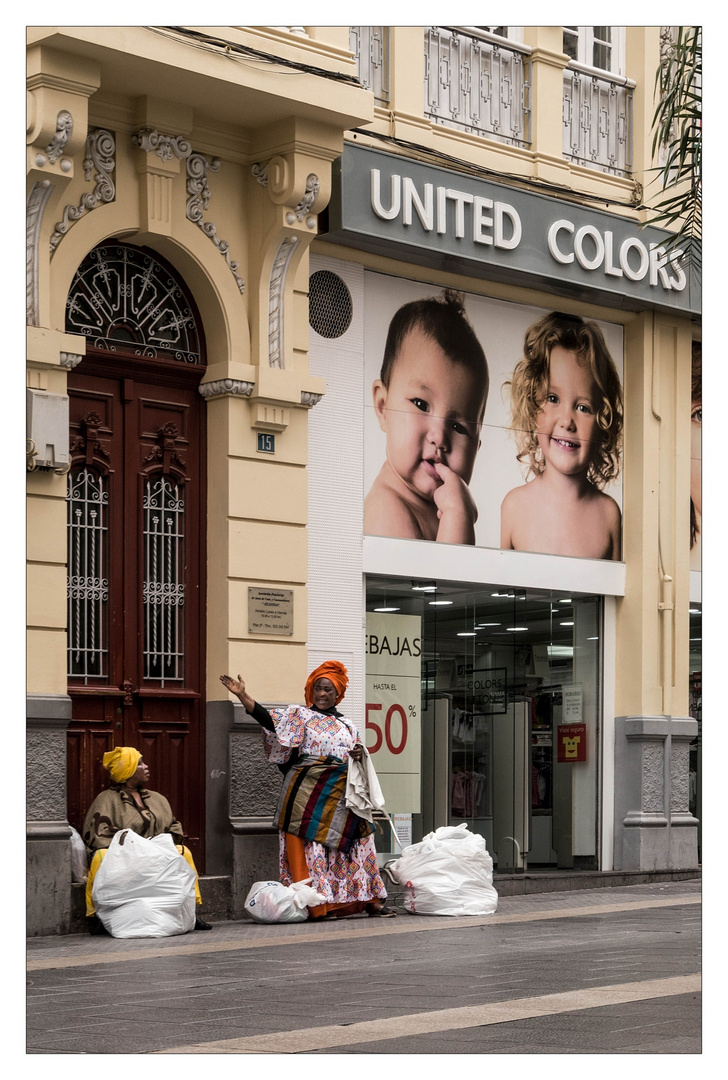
[{"x": 509, "y": 718}]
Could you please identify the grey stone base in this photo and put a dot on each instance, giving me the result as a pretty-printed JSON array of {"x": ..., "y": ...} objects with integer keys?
[
  {"x": 653, "y": 828},
  {"x": 48, "y": 887}
]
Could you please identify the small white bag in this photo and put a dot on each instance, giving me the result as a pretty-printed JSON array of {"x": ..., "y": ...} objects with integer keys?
[
  {"x": 273, "y": 902},
  {"x": 79, "y": 857},
  {"x": 144, "y": 888},
  {"x": 448, "y": 873}
]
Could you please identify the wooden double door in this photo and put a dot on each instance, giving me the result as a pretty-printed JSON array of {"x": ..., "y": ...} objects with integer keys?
[{"x": 136, "y": 557}]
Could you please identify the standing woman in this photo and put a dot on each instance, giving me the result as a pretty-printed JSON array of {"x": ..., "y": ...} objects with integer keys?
[{"x": 320, "y": 838}]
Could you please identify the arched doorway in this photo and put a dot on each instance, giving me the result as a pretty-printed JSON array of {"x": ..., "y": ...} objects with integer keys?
[{"x": 136, "y": 535}]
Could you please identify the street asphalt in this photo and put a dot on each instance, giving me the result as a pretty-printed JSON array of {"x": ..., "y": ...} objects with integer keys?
[{"x": 610, "y": 971}]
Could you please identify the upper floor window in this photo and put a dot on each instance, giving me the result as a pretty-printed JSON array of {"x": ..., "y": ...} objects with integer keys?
[{"x": 599, "y": 47}]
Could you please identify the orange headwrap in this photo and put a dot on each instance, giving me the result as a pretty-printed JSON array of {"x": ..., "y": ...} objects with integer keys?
[
  {"x": 334, "y": 672},
  {"x": 121, "y": 762}
]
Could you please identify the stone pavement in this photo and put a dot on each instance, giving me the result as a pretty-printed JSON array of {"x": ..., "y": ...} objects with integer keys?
[{"x": 599, "y": 971}]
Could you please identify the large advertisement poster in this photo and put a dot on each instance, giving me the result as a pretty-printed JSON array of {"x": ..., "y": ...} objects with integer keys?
[{"x": 490, "y": 423}]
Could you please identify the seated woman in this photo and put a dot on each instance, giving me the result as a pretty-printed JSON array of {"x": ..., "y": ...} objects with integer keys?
[
  {"x": 319, "y": 838},
  {"x": 128, "y": 804}
]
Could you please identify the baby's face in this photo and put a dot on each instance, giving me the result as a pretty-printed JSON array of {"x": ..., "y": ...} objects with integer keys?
[
  {"x": 567, "y": 424},
  {"x": 431, "y": 413}
]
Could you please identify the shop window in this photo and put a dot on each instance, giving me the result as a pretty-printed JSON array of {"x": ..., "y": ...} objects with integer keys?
[{"x": 507, "y": 715}]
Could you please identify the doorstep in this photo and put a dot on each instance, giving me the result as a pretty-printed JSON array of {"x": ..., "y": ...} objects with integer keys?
[{"x": 541, "y": 881}]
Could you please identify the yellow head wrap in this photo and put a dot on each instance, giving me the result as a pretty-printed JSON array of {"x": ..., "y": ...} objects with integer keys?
[{"x": 122, "y": 762}]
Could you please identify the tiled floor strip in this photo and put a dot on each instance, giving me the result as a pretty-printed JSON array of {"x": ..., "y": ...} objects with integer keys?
[
  {"x": 307, "y": 1040},
  {"x": 58, "y": 958}
]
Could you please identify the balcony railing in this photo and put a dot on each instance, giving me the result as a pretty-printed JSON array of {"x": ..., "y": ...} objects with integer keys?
[
  {"x": 370, "y": 45},
  {"x": 478, "y": 82},
  {"x": 597, "y": 115}
]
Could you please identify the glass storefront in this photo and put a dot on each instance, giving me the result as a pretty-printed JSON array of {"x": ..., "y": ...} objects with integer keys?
[{"x": 501, "y": 729}]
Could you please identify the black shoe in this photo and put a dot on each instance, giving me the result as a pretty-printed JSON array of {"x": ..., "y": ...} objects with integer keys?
[
  {"x": 200, "y": 924},
  {"x": 95, "y": 926}
]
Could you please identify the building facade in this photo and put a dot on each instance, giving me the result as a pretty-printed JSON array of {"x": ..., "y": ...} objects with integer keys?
[{"x": 222, "y": 222}]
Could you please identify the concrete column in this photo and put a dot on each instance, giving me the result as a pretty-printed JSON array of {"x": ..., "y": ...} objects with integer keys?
[
  {"x": 254, "y": 788},
  {"x": 48, "y": 871},
  {"x": 654, "y": 829}
]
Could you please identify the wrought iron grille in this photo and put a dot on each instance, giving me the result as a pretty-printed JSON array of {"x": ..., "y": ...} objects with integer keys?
[
  {"x": 370, "y": 45},
  {"x": 478, "y": 83},
  {"x": 164, "y": 590},
  {"x": 88, "y": 588},
  {"x": 597, "y": 116},
  {"x": 123, "y": 298}
]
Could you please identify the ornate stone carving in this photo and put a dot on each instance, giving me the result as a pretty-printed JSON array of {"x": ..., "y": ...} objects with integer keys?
[
  {"x": 165, "y": 146},
  {"x": 653, "y": 801},
  {"x": 198, "y": 201},
  {"x": 312, "y": 189},
  {"x": 276, "y": 290},
  {"x": 260, "y": 172},
  {"x": 224, "y": 387},
  {"x": 309, "y": 400},
  {"x": 64, "y": 130},
  {"x": 100, "y": 156},
  {"x": 33, "y": 221},
  {"x": 70, "y": 360},
  {"x": 679, "y": 777}
]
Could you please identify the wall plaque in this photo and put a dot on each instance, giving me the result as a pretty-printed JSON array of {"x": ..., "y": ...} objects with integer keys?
[{"x": 270, "y": 611}]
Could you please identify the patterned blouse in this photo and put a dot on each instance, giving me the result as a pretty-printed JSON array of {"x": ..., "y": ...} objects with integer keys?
[{"x": 309, "y": 732}]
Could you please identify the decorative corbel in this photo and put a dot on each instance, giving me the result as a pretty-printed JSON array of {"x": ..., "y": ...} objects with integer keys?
[
  {"x": 198, "y": 202},
  {"x": 99, "y": 162}
]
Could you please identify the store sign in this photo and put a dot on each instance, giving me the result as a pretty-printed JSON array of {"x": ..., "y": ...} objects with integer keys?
[
  {"x": 571, "y": 743},
  {"x": 393, "y": 663},
  {"x": 453, "y": 220}
]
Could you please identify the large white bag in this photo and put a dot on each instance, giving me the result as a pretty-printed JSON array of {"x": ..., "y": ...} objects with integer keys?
[
  {"x": 144, "y": 888},
  {"x": 271, "y": 901},
  {"x": 448, "y": 873}
]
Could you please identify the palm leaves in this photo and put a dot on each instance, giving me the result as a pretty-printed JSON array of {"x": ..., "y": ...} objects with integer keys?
[{"x": 677, "y": 127}]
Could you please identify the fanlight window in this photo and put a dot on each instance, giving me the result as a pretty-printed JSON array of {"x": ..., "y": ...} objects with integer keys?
[{"x": 122, "y": 297}]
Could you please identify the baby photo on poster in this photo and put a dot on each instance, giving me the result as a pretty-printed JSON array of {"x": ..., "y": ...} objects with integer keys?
[{"x": 490, "y": 423}]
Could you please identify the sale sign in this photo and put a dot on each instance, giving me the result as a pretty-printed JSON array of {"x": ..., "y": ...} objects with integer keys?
[{"x": 392, "y": 721}]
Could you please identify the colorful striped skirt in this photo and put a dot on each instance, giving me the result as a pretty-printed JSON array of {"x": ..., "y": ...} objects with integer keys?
[{"x": 312, "y": 805}]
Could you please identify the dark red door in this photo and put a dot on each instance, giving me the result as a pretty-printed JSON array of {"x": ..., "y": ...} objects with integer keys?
[{"x": 136, "y": 557}]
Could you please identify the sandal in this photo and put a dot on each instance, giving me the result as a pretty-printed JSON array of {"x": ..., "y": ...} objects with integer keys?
[{"x": 381, "y": 912}]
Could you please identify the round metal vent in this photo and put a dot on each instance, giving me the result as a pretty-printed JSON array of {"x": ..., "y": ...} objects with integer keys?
[{"x": 329, "y": 304}]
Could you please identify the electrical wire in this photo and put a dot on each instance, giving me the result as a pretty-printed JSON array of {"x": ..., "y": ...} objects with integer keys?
[{"x": 245, "y": 52}]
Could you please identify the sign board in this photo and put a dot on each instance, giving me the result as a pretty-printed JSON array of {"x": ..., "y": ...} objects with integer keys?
[
  {"x": 464, "y": 223},
  {"x": 270, "y": 611},
  {"x": 266, "y": 443},
  {"x": 393, "y": 695},
  {"x": 571, "y": 704},
  {"x": 571, "y": 743}
]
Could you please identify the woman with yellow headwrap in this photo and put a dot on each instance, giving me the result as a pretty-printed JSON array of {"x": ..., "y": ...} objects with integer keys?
[
  {"x": 320, "y": 838},
  {"x": 129, "y": 804}
]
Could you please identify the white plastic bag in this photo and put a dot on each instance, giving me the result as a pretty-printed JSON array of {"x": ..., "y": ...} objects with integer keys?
[
  {"x": 144, "y": 888},
  {"x": 79, "y": 857},
  {"x": 271, "y": 901},
  {"x": 448, "y": 873}
]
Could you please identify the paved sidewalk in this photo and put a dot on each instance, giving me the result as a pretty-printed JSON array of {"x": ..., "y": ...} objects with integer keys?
[{"x": 590, "y": 972}]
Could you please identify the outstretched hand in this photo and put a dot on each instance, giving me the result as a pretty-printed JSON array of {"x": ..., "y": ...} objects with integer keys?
[{"x": 235, "y": 686}]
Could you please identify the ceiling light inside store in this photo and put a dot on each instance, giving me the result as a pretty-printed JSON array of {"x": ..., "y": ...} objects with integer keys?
[
  {"x": 482, "y": 625},
  {"x": 424, "y": 588},
  {"x": 567, "y": 623},
  {"x": 567, "y": 601},
  {"x": 467, "y": 633},
  {"x": 386, "y": 609},
  {"x": 439, "y": 603},
  {"x": 592, "y": 639},
  {"x": 695, "y": 611},
  {"x": 505, "y": 595},
  {"x": 560, "y": 650},
  {"x": 514, "y": 628}
]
